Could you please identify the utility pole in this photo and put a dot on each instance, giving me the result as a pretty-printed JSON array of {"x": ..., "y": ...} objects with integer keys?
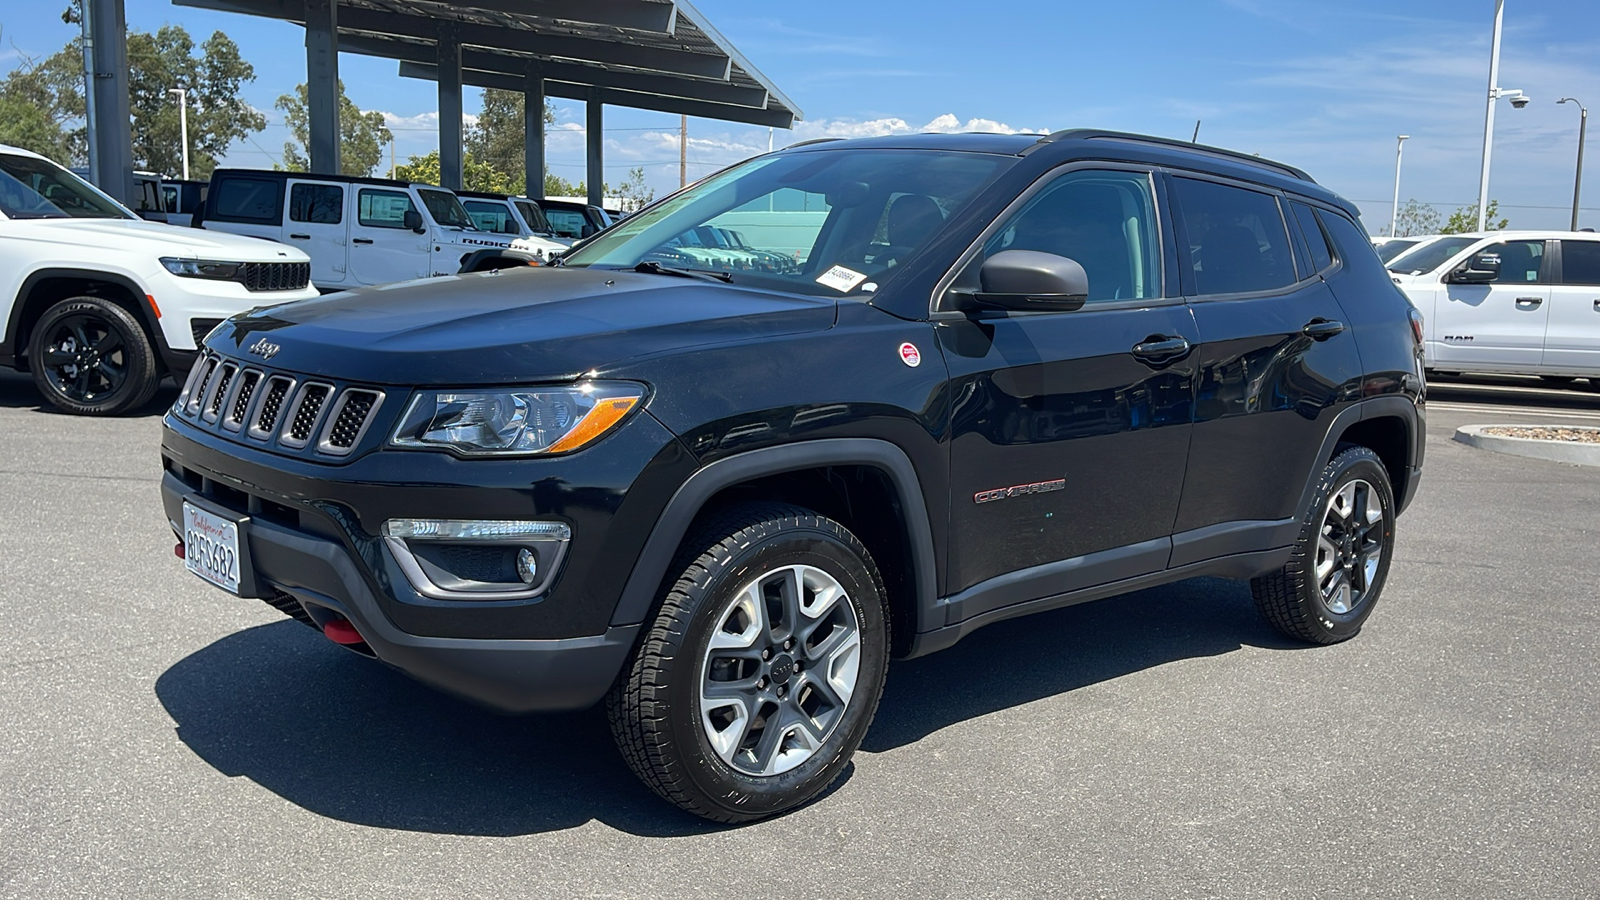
[
  {"x": 183, "y": 125},
  {"x": 1394, "y": 215},
  {"x": 683, "y": 151}
]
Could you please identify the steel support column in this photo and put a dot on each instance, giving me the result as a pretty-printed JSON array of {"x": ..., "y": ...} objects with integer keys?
[
  {"x": 105, "y": 57},
  {"x": 451, "y": 166},
  {"x": 322, "y": 86},
  {"x": 533, "y": 136},
  {"x": 594, "y": 136}
]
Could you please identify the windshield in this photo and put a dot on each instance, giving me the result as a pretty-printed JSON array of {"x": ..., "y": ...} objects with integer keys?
[
  {"x": 1426, "y": 257},
  {"x": 822, "y": 222},
  {"x": 492, "y": 215},
  {"x": 445, "y": 208},
  {"x": 533, "y": 215},
  {"x": 32, "y": 188},
  {"x": 1391, "y": 249}
]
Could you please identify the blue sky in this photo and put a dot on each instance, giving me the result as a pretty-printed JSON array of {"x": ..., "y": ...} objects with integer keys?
[{"x": 1323, "y": 85}]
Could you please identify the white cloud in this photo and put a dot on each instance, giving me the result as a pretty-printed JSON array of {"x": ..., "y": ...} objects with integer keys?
[
  {"x": 944, "y": 124},
  {"x": 428, "y": 121}
]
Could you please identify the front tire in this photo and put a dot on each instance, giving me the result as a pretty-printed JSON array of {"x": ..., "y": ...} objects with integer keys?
[
  {"x": 90, "y": 357},
  {"x": 1338, "y": 566},
  {"x": 762, "y": 671}
]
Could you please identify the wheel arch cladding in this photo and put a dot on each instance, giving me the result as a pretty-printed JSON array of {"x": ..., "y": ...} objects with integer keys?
[
  {"x": 867, "y": 485},
  {"x": 1390, "y": 438},
  {"x": 47, "y": 287}
]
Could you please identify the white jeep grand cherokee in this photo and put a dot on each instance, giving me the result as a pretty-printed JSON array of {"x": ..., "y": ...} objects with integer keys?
[{"x": 99, "y": 304}]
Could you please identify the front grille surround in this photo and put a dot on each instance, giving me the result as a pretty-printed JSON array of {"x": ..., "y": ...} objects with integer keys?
[
  {"x": 347, "y": 421},
  {"x": 264, "y": 418},
  {"x": 217, "y": 394},
  {"x": 238, "y": 402},
  {"x": 201, "y": 380},
  {"x": 280, "y": 411},
  {"x": 300, "y": 422}
]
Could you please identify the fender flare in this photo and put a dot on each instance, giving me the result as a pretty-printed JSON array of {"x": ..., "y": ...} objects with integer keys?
[
  {"x": 1401, "y": 408},
  {"x": 639, "y": 594},
  {"x": 11, "y": 349}
]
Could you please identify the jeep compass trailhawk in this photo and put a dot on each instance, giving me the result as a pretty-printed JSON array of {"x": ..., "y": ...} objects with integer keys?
[{"x": 845, "y": 402}]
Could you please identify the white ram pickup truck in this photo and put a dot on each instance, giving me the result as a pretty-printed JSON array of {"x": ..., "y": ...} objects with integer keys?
[{"x": 100, "y": 305}]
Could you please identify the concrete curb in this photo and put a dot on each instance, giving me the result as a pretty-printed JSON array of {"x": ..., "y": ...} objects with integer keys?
[{"x": 1555, "y": 451}]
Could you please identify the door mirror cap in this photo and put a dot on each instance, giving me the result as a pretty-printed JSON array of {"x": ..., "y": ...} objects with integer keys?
[
  {"x": 1030, "y": 280},
  {"x": 1480, "y": 268},
  {"x": 413, "y": 221}
]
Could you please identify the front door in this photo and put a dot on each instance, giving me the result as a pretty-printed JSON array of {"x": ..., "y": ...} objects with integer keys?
[
  {"x": 1069, "y": 429},
  {"x": 1499, "y": 326},
  {"x": 382, "y": 248},
  {"x": 1572, "y": 335},
  {"x": 316, "y": 224}
]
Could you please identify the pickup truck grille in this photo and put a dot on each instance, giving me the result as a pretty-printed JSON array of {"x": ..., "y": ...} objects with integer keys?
[
  {"x": 275, "y": 276},
  {"x": 279, "y": 411}
]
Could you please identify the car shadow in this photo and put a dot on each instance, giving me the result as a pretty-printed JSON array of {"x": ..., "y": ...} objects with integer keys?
[
  {"x": 17, "y": 391},
  {"x": 356, "y": 741}
]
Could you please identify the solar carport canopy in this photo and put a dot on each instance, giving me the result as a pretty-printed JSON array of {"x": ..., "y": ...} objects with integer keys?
[{"x": 661, "y": 55}]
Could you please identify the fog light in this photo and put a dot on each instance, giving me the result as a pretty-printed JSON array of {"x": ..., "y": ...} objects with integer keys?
[{"x": 527, "y": 566}]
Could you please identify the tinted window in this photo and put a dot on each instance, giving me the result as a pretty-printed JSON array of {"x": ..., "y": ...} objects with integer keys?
[
  {"x": 446, "y": 208},
  {"x": 532, "y": 215},
  {"x": 1391, "y": 250},
  {"x": 1237, "y": 238},
  {"x": 1103, "y": 220},
  {"x": 33, "y": 188},
  {"x": 1429, "y": 255},
  {"x": 1321, "y": 255},
  {"x": 383, "y": 209},
  {"x": 1352, "y": 247},
  {"x": 248, "y": 200},
  {"x": 489, "y": 215},
  {"x": 1519, "y": 261},
  {"x": 1580, "y": 263},
  {"x": 566, "y": 223},
  {"x": 319, "y": 204}
]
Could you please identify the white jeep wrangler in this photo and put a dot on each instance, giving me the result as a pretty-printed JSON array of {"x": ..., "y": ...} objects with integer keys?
[{"x": 99, "y": 305}]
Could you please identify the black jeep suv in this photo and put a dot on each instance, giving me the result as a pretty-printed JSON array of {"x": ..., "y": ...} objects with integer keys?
[{"x": 836, "y": 404}]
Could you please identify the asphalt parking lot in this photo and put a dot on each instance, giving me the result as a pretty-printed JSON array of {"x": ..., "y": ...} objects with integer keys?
[{"x": 160, "y": 739}]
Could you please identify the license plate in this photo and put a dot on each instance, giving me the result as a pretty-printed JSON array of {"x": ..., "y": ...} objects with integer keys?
[{"x": 211, "y": 547}]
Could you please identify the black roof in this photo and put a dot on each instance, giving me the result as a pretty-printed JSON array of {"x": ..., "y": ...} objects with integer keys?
[
  {"x": 485, "y": 195},
  {"x": 282, "y": 175}
]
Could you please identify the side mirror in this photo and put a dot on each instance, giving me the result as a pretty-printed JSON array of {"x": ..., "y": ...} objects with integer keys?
[
  {"x": 413, "y": 221},
  {"x": 1029, "y": 280},
  {"x": 1481, "y": 268}
]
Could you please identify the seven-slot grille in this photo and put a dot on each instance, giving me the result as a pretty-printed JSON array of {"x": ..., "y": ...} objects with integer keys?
[
  {"x": 275, "y": 276},
  {"x": 277, "y": 409}
]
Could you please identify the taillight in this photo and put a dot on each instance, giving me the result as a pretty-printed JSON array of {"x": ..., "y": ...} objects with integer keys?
[{"x": 1416, "y": 325}]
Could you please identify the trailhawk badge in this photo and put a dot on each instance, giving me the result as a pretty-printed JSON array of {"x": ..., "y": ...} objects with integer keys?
[{"x": 910, "y": 355}]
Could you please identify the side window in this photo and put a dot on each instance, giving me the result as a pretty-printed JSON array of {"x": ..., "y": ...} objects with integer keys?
[
  {"x": 248, "y": 200},
  {"x": 490, "y": 216},
  {"x": 1237, "y": 238},
  {"x": 565, "y": 222},
  {"x": 1321, "y": 254},
  {"x": 1520, "y": 261},
  {"x": 383, "y": 209},
  {"x": 319, "y": 204},
  {"x": 1580, "y": 263},
  {"x": 1105, "y": 221}
]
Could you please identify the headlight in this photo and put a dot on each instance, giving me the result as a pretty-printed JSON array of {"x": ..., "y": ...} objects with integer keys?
[
  {"x": 202, "y": 268},
  {"x": 545, "y": 420}
]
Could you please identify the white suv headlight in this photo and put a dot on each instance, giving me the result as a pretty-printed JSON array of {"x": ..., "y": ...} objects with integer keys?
[
  {"x": 202, "y": 268},
  {"x": 542, "y": 420}
]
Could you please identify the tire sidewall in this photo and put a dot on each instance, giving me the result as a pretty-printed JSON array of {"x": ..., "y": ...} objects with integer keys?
[
  {"x": 753, "y": 796},
  {"x": 1351, "y": 465},
  {"x": 138, "y": 357}
]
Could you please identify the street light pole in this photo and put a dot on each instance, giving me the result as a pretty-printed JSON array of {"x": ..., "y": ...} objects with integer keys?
[
  {"x": 1399, "y": 148},
  {"x": 183, "y": 125},
  {"x": 1577, "y": 181},
  {"x": 1488, "y": 119}
]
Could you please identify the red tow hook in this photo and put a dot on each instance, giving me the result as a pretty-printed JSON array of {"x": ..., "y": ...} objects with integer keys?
[
  {"x": 340, "y": 631},
  {"x": 177, "y": 550}
]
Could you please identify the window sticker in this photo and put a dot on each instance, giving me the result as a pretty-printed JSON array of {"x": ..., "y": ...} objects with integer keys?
[{"x": 841, "y": 279}]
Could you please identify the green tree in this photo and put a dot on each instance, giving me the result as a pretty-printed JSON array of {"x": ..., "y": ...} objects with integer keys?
[
  {"x": 479, "y": 176},
  {"x": 1465, "y": 219},
  {"x": 362, "y": 135},
  {"x": 1416, "y": 218},
  {"x": 497, "y": 140},
  {"x": 632, "y": 194},
  {"x": 44, "y": 106},
  {"x": 212, "y": 80}
]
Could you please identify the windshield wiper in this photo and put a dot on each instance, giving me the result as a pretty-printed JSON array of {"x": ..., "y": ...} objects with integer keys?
[{"x": 652, "y": 267}]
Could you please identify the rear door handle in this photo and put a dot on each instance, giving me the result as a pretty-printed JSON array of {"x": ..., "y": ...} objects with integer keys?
[
  {"x": 1322, "y": 329},
  {"x": 1597, "y": 306},
  {"x": 1160, "y": 348},
  {"x": 1529, "y": 302},
  {"x": 300, "y": 237},
  {"x": 361, "y": 240}
]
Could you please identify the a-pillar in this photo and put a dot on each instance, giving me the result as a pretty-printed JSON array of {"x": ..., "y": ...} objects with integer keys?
[
  {"x": 595, "y": 138},
  {"x": 451, "y": 170},
  {"x": 533, "y": 136},
  {"x": 105, "y": 57},
  {"x": 322, "y": 85}
]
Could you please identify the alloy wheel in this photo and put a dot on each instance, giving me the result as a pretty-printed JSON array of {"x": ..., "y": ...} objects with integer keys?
[
  {"x": 1350, "y": 546},
  {"x": 85, "y": 358}
]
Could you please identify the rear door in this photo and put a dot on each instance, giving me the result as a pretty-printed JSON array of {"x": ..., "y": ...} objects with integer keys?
[
  {"x": 1500, "y": 326},
  {"x": 1276, "y": 359},
  {"x": 382, "y": 248},
  {"x": 1069, "y": 430},
  {"x": 1572, "y": 333},
  {"x": 317, "y": 225}
]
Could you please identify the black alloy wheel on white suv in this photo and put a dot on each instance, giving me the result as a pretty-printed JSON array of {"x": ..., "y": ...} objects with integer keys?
[{"x": 90, "y": 357}]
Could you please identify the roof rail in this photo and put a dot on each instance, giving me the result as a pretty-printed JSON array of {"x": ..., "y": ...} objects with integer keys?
[
  {"x": 812, "y": 141},
  {"x": 1092, "y": 134}
]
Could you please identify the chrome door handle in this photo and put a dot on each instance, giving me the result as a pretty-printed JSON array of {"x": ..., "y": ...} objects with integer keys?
[{"x": 1529, "y": 302}]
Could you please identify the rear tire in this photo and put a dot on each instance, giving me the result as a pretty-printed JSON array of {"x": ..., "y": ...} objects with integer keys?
[
  {"x": 1338, "y": 566},
  {"x": 762, "y": 671},
  {"x": 90, "y": 357}
]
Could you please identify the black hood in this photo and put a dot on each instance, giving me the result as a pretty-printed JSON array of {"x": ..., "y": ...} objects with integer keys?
[{"x": 519, "y": 325}]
